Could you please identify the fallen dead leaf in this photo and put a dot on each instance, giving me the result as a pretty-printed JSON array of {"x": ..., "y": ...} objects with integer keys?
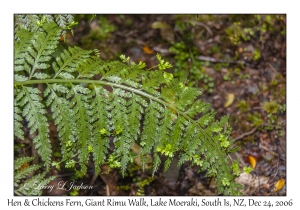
[
  {"x": 147, "y": 50},
  {"x": 279, "y": 184},
  {"x": 252, "y": 161},
  {"x": 159, "y": 25},
  {"x": 251, "y": 182},
  {"x": 229, "y": 100}
]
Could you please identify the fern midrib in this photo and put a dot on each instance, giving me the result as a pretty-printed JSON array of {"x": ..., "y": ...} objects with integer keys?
[{"x": 101, "y": 82}]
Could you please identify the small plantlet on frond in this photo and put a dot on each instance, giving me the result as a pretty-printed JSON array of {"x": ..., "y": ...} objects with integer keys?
[{"x": 124, "y": 102}]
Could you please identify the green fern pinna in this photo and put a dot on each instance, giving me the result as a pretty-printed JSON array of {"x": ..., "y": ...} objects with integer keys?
[{"x": 125, "y": 101}]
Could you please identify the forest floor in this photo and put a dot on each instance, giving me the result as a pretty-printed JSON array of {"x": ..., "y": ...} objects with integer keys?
[{"x": 239, "y": 61}]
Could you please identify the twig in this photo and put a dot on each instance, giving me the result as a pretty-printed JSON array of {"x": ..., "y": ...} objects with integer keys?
[
  {"x": 91, "y": 183},
  {"x": 277, "y": 167},
  {"x": 107, "y": 190},
  {"x": 245, "y": 134},
  {"x": 265, "y": 148},
  {"x": 272, "y": 67},
  {"x": 201, "y": 24},
  {"x": 139, "y": 42},
  {"x": 213, "y": 60},
  {"x": 93, "y": 179},
  {"x": 258, "y": 108},
  {"x": 128, "y": 34},
  {"x": 206, "y": 42}
]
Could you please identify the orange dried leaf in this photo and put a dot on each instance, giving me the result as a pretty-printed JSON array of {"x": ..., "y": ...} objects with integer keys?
[
  {"x": 147, "y": 50},
  {"x": 279, "y": 184},
  {"x": 23, "y": 166},
  {"x": 252, "y": 161}
]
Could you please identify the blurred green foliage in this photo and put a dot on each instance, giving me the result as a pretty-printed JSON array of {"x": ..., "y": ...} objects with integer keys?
[
  {"x": 102, "y": 30},
  {"x": 188, "y": 68}
]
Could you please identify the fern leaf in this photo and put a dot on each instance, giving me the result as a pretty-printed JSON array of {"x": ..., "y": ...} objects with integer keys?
[
  {"x": 70, "y": 60},
  {"x": 156, "y": 162},
  {"x": 40, "y": 75},
  {"x": 23, "y": 173},
  {"x": 150, "y": 129},
  {"x": 135, "y": 112},
  {"x": 20, "y": 161},
  {"x": 90, "y": 68},
  {"x": 29, "y": 187},
  {"x": 125, "y": 103},
  {"x": 61, "y": 20},
  {"x": 177, "y": 132},
  {"x": 120, "y": 127},
  {"x": 100, "y": 121},
  {"x": 22, "y": 43},
  {"x": 167, "y": 117},
  {"x": 20, "y": 77},
  {"x": 27, "y": 22},
  {"x": 64, "y": 20},
  {"x": 18, "y": 127},
  {"x": 81, "y": 112},
  {"x": 34, "y": 113},
  {"x": 62, "y": 115},
  {"x": 114, "y": 68},
  {"x": 152, "y": 81},
  {"x": 43, "y": 45}
]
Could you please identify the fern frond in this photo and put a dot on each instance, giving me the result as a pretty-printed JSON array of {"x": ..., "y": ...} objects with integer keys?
[
  {"x": 152, "y": 81},
  {"x": 135, "y": 111},
  {"x": 30, "y": 186},
  {"x": 149, "y": 132},
  {"x": 81, "y": 110},
  {"x": 20, "y": 161},
  {"x": 191, "y": 141},
  {"x": 125, "y": 103},
  {"x": 61, "y": 20},
  {"x": 90, "y": 68},
  {"x": 64, "y": 20},
  {"x": 62, "y": 115},
  {"x": 100, "y": 141},
  {"x": 120, "y": 128},
  {"x": 34, "y": 113},
  {"x": 69, "y": 61},
  {"x": 43, "y": 45},
  {"x": 27, "y": 22},
  {"x": 22, "y": 171},
  {"x": 17, "y": 125},
  {"x": 177, "y": 132},
  {"x": 22, "y": 43}
]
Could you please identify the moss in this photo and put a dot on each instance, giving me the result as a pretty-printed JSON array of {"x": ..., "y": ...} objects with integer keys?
[
  {"x": 243, "y": 106},
  {"x": 256, "y": 119},
  {"x": 271, "y": 107},
  {"x": 256, "y": 55}
]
